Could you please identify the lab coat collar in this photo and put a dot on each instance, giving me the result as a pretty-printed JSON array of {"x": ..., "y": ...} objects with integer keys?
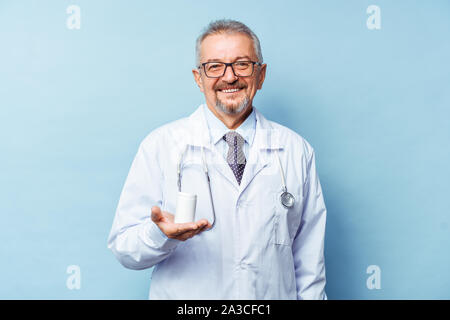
[{"x": 198, "y": 135}]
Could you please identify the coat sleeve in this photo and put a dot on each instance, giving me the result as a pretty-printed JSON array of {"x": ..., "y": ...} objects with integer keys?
[
  {"x": 308, "y": 245},
  {"x": 135, "y": 239}
]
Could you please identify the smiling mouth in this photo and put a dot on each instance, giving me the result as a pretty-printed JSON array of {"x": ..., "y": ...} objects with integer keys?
[{"x": 230, "y": 90}]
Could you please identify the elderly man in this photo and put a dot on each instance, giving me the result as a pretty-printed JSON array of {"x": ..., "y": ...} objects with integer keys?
[{"x": 259, "y": 224}]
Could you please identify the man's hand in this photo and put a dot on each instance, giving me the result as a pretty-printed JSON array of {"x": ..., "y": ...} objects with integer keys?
[{"x": 180, "y": 231}]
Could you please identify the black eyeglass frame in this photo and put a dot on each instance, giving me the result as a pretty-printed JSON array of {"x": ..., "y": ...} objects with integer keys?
[{"x": 230, "y": 64}]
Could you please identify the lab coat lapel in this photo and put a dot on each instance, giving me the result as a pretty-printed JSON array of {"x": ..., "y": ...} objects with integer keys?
[
  {"x": 197, "y": 130},
  {"x": 266, "y": 138}
]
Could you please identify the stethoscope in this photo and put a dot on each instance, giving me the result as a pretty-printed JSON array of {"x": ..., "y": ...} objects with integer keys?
[{"x": 286, "y": 198}]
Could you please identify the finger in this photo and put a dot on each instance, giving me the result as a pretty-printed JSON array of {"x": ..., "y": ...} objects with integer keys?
[
  {"x": 193, "y": 233},
  {"x": 189, "y": 226},
  {"x": 183, "y": 231},
  {"x": 187, "y": 235},
  {"x": 182, "y": 228},
  {"x": 203, "y": 223},
  {"x": 156, "y": 214},
  {"x": 201, "y": 230}
]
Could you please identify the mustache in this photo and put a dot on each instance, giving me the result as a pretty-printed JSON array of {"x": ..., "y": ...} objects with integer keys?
[{"x": 228, "y": 86}]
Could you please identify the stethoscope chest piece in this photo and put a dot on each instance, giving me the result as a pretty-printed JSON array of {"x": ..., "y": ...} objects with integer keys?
[{"x": 287, "y": 200}]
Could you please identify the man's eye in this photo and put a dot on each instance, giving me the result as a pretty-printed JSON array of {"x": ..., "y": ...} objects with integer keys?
[
  {"x": 214, "y": 66},
  {"x": 242, "y": 64}
]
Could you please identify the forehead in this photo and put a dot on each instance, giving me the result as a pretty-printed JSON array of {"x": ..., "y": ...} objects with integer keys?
[{"x": 226, "y": 47}]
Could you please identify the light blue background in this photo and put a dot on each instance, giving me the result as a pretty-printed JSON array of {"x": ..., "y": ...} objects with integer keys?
[{"x": 75, "y": 104}]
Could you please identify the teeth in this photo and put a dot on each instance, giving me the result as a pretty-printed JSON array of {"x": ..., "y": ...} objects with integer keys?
[{"x": 230, "y": 90}]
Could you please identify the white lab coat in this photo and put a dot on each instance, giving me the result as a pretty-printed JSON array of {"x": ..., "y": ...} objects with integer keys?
[{"x": 257, "y": 249}]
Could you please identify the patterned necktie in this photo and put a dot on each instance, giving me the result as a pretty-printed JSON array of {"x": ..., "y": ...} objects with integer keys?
[{"x": 235, "y": 158}]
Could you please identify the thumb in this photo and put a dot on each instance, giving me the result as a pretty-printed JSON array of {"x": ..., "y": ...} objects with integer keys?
[{"x": 156, "y": 214}]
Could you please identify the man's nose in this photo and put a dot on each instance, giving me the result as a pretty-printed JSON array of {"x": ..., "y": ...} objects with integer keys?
[{"x": 229, "y": 75}]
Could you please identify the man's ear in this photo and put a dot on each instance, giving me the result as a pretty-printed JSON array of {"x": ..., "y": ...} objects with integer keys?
[
  {"x": 198, "y": 78},
  {"x": 262, "y": 76}
]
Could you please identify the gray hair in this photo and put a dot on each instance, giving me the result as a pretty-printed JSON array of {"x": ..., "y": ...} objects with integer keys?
[{"x": 229, "y": 27}]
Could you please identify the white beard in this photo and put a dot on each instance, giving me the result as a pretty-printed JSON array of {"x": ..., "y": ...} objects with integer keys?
[{"x": 232, "y": 110}]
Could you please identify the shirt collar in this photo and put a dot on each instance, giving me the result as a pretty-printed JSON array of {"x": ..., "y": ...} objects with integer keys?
[{"x": 218, "y": 129}]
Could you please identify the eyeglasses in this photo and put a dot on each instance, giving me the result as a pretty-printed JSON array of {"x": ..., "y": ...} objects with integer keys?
[{"x": 218, "y": 69}]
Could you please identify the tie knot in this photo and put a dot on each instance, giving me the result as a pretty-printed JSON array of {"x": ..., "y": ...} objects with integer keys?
[{"x": 234, "y": 139}]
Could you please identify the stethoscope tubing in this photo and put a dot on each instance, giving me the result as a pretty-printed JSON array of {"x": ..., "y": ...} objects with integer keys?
[{"x": 286, "y": 198}]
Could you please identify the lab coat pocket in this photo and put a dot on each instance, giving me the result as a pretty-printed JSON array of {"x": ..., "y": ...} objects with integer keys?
[{"x": 286, "y": 221}]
